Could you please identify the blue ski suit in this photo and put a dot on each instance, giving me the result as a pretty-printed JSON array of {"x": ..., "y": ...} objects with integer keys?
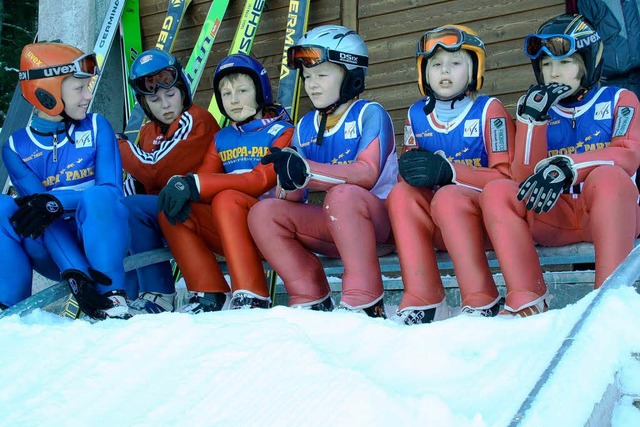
[{"x": 79, "y": 163}]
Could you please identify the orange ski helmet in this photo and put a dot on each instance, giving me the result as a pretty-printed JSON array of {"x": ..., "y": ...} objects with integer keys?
[
  {"x": 451, "y": 38},
  {"x": 43, "y": 67}
]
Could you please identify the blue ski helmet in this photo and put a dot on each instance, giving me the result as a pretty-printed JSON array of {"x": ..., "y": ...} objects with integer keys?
[
  {"x": 241, "y": 63},
  {"x": 563, "y": 36},
  {"x": 154, "y": 69}
]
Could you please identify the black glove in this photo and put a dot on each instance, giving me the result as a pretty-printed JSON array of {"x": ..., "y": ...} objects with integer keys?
[
  {"x": 540, "y": 98},
  {"x": 90, "y": 301},
  {"x": 35, "y": 214},
  {"x": 422, "y": 168},
  {"x": 175, "y": 198},
  {"x": 292, "y": 169},
  {"x": 542, "y": 189}
]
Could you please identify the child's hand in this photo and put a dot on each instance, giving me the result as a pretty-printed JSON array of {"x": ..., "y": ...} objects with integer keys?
[
  {"x": 540, "y": 98},
  {"x": 543, "y": 189},
  {"x": 175, "y": 198},
  {"x": 422, "y": 168},
  {"x": 292, "y": 169},
  {"x": 36, "y": 213}
]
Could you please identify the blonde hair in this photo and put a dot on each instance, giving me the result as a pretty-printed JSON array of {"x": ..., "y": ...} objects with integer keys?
[{"x": 462, "y": 53}]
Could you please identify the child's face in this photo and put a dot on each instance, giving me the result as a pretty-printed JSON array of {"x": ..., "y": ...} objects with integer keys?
[
  {"x": 448, "y": 73},
  {"x": 76, "y": 96},
  {"x": 166, "y": 104},
  {"x": 565, "y": 71},
  {"x": 239, "y": 97},
  {"x": 322, "y": 83}
]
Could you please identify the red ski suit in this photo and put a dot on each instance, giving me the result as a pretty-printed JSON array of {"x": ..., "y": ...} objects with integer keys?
[
  {"x": 157, "y": 159},
  {"x": 218, "y": 223},
  {"x": 449, "y": 218},
  {"x": 603, "y": 209}
]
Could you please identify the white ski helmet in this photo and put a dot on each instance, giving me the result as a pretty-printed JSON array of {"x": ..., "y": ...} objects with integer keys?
[{"x": 336, "y": 44}]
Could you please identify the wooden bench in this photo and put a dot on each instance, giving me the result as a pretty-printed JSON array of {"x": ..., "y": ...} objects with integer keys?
[
  {"x": 558, "y": 268},
  {"x": 557, "y": 264}
]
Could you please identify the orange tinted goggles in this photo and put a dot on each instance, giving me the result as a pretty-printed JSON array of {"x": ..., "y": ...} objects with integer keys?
[
  {"x": 84, "y": 67},
  {"x": 307, "y": 56},
  {"x": 450, "y": 39}
]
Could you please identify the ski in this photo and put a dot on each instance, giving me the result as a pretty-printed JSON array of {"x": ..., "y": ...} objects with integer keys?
[
  {"x": 19, "y": 115},
  {"x": 170, "y": 28},
  {"x": 202, "y": 48},
  {"x": 242, "y": 43},
  {"x": 131, "y": 40},
  {"x": 289, "y": 87}
]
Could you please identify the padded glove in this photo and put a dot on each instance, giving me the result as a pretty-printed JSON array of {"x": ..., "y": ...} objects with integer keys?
[
  {"x": 540, "y": 98},
  {"x": 89, "y": 300},
  {"x": 422, "y": 168},
  {"x": 543, "y": 189},
  {"x": 293, "y": 171},
  {"x": 36, "y": 213},
  {"x": 175, "y": 198}
]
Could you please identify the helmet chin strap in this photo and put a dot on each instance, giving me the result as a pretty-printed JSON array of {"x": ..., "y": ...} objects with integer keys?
[
  {"x": 432, "y": 98},
  {"x": 324, "y": 113}
]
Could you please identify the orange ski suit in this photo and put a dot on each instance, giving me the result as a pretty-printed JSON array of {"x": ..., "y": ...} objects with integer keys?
[
  {"x": 449, "y": 217},
  {"x": 602, "y": 209},
  {"x": 218, "y": 223}
]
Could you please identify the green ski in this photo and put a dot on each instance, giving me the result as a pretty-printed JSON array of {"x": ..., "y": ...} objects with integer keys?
[{"x": 131, "y": 38}]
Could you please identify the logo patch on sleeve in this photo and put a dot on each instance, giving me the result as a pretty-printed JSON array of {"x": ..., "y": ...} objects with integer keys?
[
  {"x": 623, "y": 120},
  {"x": 83, "y": 139},
  {"x": 498, "y": 127}
]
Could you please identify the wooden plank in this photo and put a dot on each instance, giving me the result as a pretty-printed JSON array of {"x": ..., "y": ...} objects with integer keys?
[{"x": 458, "y": 11}]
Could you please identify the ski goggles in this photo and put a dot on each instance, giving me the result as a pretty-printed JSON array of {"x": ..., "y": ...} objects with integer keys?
[
  {"x": 556, "y": 46},
  {"x": 449, "y": 38},
  {"x": 83, "y": 67},
  {"x": 149, "y": 84},
  {"x": 310, "y": 56}
]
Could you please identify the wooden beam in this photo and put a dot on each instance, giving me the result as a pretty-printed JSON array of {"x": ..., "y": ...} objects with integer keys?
[{"x": 349, "y": 14}]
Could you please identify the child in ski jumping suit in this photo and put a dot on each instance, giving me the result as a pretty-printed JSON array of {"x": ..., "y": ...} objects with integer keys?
[
  {"x": 455, "y": 142},
  {"x": 346, "y": 148},
  {"x": 577, "y": 147},
  {"x": 204, "y": 214},
  {"x": 173, "y": 142},
  {"x": 69, "y": 218}
]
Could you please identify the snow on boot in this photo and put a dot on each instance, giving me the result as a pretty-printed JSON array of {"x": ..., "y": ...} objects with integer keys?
[
  {"x": 324, "y": 304},
  {"x": 120, "y": 309},
  {"x": 489, "y": 310},
  {"x": 537, "y": 306},
  {"x": 205, "y": 302},
  {"x": 374, "y": 309},
  {"x": 152, "y": 302},
  {"x": 246, "y": 299},
  {"x": 424, "y": 314}
]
